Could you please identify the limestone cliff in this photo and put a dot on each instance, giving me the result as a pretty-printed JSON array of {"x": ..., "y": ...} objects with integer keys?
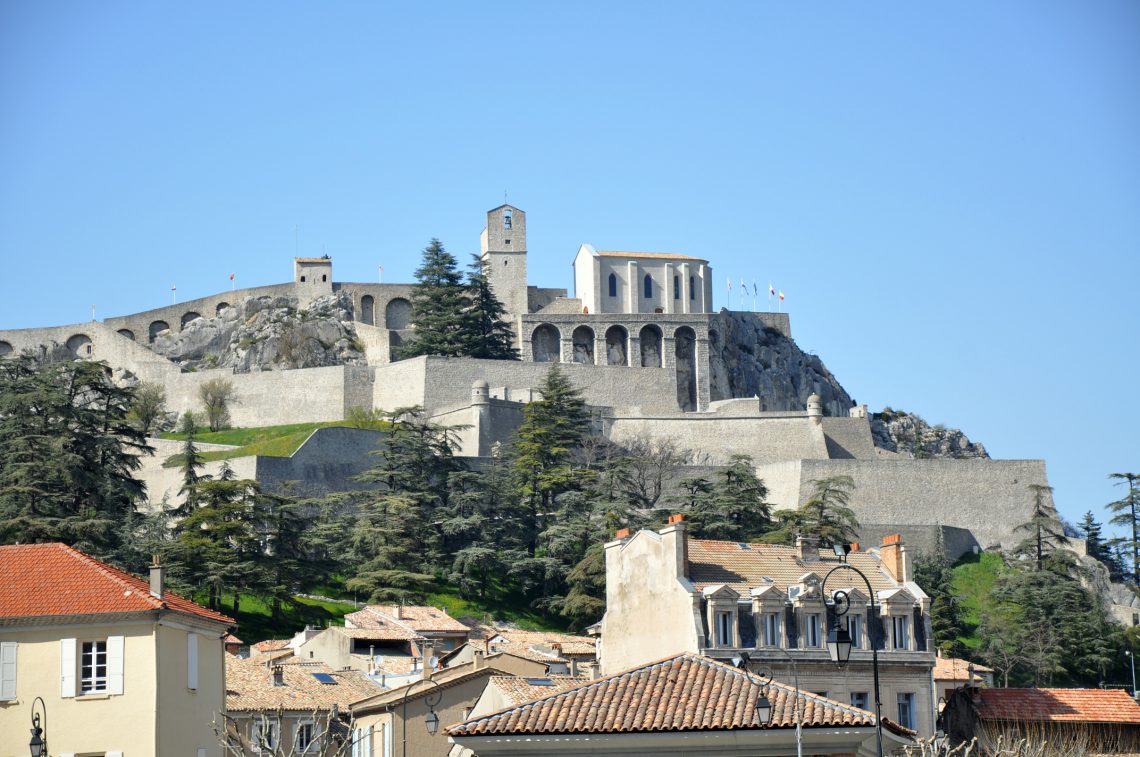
[
  {"x": 911, "y": 436},
  {"x": 746, "y": 359},
  {"x": 265, "y": 333}
]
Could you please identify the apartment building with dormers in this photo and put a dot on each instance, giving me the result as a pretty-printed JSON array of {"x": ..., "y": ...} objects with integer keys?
[
  {"x": 124, "y": 667},
  {"x": 668, "y": 593}
]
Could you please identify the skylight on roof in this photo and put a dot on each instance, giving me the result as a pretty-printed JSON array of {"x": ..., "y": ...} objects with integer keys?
[
  {"x": 540, "y": 682},
  {"x": 743, "y": 545},
  {"x": 324, "y": 678}
]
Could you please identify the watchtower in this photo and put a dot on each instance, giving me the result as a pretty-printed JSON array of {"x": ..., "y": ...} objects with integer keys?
[
  {"x": 312, "y": 278},
  {"x": 503, "y": 245}
]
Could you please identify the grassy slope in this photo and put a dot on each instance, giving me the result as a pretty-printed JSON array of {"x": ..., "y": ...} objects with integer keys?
[
  {"x": 974, "y": 579},
  {"x": 271, "y": 441}
]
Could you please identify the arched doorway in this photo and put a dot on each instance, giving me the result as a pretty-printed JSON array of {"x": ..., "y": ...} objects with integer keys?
[
  {"x": 367, "y": 309},
  {"x": 127, "y": 333},
  {"x": 650, "y": 347},
  {"x": 398, "y": 314},
  {"x": 221, "y": 308},
  {"x": 617, "y": 341},
  {"x": 5, "y": 349},
  {"x": 584, "y": 345},
  {"x": 546, "y": 344},
  {"x": 685, "y": 345},
  {"x": 190, "y": 317},
  {"x": 156, "y": 328},
  {"x": 80, "y": 346}
]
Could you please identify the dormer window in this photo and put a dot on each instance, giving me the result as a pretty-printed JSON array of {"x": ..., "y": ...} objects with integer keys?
[
  {"x": 900, "y": 632},
  {"x": 724, "y": 629},
  {"x": 812, "y": 629},
  {"x": 506, "y": 219},
  {"x": 613, "y": 285}
]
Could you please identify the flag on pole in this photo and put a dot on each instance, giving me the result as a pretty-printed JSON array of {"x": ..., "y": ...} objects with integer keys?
[
  {"x": 231, "y": 277},
  {"x": 781, "y": 295},
  {"x": 771, "y": 291}
]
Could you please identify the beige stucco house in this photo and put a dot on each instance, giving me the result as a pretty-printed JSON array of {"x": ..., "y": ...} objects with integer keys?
[
  {"x": 667, "y": 593},
  {"x": 124, "y": 668}
]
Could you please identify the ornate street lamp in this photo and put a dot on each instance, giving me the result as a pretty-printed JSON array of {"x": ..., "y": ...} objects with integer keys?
[
  {"x": 839, "y": 639},
  {"x": 38, "y": 745},
  {"x": 432, "y": 720},
  {"x": 742, "y": 661}
]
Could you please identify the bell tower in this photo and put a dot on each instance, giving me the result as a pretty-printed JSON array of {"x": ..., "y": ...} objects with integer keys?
[{"x": 503, "y": 246}]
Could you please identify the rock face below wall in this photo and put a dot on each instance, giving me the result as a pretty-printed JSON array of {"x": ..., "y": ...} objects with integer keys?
[
  {"x": 746, "y": 359},
  {"x": 265, "y": 333},
  {"x": 911, "y": 436}
]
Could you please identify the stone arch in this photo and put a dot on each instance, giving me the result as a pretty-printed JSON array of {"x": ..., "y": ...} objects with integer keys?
[
  {"x": 80, "y": 345},
  {"x": 617, "y": 346},
  {"x": 127, "y": 333},
  {"x": 368, "y": 309},
  {"x": 685, "y": 348},
  {"x": 5, "y": 349},
  {"x": 189, "y": 318},
  {"x": 156, "y": 328},
  {"x": 650, "y": 346},
  {"x": 546, "y": 344},
  {"x": 398, "y": 314},
  {"x": 584, "y": 345},
  {"x": 221, "y": 308}
]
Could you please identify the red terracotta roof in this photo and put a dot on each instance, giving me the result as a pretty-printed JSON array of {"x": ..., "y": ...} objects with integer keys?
[
  {"x": 45, "y": 580},
  {"x": 686, "y": 692},
  {"x": 408, "y": 617},
  {"x": 1058, "y": 705},
  {"x": 270, "y": 645},
  {"x": 953, "y": 669}
]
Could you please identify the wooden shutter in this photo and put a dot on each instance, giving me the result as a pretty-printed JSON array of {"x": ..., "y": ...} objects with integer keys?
[
  {"x": 114, "y": 664},
  {"x": 790, "y": 626},
  {"x": 67, "y": 669},
  {"x": 192, "y": 661},
  {"x": 875, "y": 629},
  {"x": 919, "y": 630},
  {"x": 7, "y": 670}
]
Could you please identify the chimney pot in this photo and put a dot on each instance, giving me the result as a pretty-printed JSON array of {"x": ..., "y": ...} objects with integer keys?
[
  {"x": 676, "y": 518},
  {"x": 278, "y": 675},
  {"x": 808, "y": 547},
  {"x": 621, "y": 534},
  {"x": 157, "y": 579}
]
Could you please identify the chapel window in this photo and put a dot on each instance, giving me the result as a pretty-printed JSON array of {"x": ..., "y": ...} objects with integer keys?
[
  {"x": 613, "y": 285},
  {"x": 648, "y": 287}
]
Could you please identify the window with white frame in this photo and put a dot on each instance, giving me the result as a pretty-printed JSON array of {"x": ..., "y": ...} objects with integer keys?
[
  {"x": 724, "y": 629},
  {"x": 771, "y": 629},
  {"x": 855, "y": 630},
  {"x": 859, "y": 699},
  {"x": 93, "y": 667},
  {"x": 7, "y": 671},
  {"x": 900, "y": 629},
  {"x": 265, "y": 735},
  {"x": 362, "y": 741},
  {"x": 812, "y": 630},
  {"x": 305, "y": 739},
  {"x": 906, "y": 709}
]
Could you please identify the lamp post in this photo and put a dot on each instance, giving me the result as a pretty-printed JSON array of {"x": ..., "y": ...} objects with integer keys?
[
  {"x": 745, "y": 659},
  {"x": 431, "y": 721},
  {"x": 839, "y": 640},
  {"x": 1132, "y": 660},
  {"x": 38, "y": 745}
]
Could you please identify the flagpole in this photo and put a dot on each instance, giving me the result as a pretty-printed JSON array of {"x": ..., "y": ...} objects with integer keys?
[
  {"x": 174, "y": 294},
  {"x": 381, "y": 279}
]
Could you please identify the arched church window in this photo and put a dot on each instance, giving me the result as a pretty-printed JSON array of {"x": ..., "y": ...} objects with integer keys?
[
  {"x": 692, "y": 287},
  {"x": 648, "y": 287},
  {"x": 506, "y": 219},
  {"x": 676, "y": 287},
  {"x": 613, "y": 285}
]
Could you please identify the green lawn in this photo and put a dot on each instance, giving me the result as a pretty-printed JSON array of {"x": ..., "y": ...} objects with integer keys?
[
  {"x": 974, "y": 579},
  {"x": 255, "y": 623},
  {"x": 509, "y": 609},
  {"x": 270, "y": 441}
]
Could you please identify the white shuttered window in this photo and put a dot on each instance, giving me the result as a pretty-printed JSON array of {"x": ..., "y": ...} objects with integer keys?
[
  {"x": 67, "y": 668},
  {"x": 192, "y": 661},
  {"x": 7, "y": 670}
]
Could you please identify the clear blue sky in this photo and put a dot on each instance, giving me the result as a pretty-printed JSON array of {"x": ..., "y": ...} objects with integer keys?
[{"x": 948, "y": 194}]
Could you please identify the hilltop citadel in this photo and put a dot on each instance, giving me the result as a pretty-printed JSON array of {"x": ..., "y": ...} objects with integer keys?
[{"x": 637, "y": 337}]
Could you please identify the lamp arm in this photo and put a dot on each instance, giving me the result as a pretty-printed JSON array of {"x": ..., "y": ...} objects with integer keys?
[{"x": 438, "y": 694}]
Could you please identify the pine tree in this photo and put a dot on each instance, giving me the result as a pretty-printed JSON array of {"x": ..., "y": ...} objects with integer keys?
[
  {"x": 933, "y": 572},
  {"x": 735, "y": 508},
  {"x": 826, "y": 515},
  {"x": 1127, "y": 511},
  {"x": 438, "y": 307},
  {"x": 190, "y": 460},
  {"x": 1046, "y": 532},
  {"x": 488, "y": 335},
  {"x": 1094, "y": 540}
]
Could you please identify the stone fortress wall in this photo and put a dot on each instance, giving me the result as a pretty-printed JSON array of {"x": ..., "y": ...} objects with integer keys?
[{"x": 646, "y": 376}]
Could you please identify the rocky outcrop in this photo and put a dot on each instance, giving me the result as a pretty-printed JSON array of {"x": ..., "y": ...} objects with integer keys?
[
  {"x": 911, "y": 436},
  {"x": 747, "y": 359},
  {"x": 265, "y": 333}
]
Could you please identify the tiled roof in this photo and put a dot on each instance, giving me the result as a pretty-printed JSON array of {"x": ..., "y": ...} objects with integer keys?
[
  {"x": 389, "y": 633},
  {"x": 520, "y": 689},
  {"x": 415, "y": 618},
  {"x": 445, "y": 678},
  {"x": 651, "y": 255},
  {"x": 45, "y": 580},
  {"x": 747, "y": 566},
  {"x": 1058, "y": 705},
  {"x": 231, "y": 639},
  {"x": 687, "y": 692},
  {"x": 270, "y": 644},
  {"x": 953, "y": 669},
  {"x": 249, "y": 686},
  {"x": 535, "y": 645}
]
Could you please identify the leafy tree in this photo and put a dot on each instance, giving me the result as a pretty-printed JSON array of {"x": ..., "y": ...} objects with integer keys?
[
  {"x": 1094, "y": 539},
  {"x": 148, "y": 406},
  {"x": 1127, "y": 510},
  {"x": 1046, "y": 532},
  {"x": 488, "y": 335},
  {"x": 542, "y": 451},
  {"x": 438, "y": 307},
  {"x": 216, "y": 395}
]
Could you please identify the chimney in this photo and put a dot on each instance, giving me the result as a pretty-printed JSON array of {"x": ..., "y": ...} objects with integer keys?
[
  {"x": 677, "y": 541},
  {"x": 477, "y": 659},
  {"x": 894, "y": 558},
  {"x": 157, "y": 578},
  {"x": 278, "y": 675},
  {"x": 574, "y": 667},
  {"x": 429, "y": 653},
  {"x": 399, "y": 612},
  {"x": 622, "y": 533},
  {"x": 808, "y": 548}
]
